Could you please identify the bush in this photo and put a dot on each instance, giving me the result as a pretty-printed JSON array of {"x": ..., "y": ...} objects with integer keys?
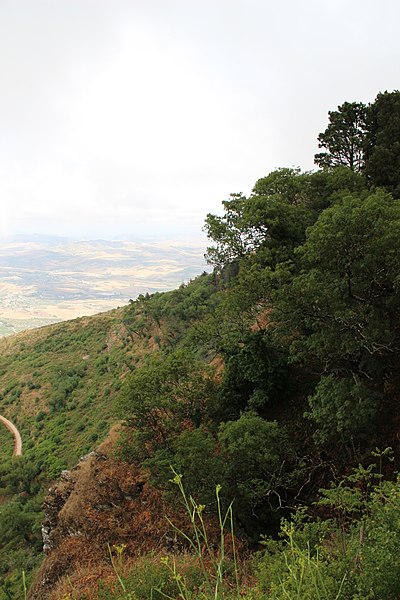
[{"x": 353, "y": 556}]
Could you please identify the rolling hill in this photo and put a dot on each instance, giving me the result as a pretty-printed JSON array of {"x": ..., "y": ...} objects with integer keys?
[{"x": 45, "y": 279}]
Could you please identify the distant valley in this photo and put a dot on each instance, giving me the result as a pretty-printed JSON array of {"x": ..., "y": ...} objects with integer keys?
[{"x": 45, "y": 279}]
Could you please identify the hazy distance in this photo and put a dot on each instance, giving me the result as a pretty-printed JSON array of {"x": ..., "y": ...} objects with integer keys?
[{"x": 132, "y": 118}]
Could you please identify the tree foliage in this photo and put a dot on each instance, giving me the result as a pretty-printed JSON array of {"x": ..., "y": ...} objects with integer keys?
[
  {"x": 382, "y": 165},
  {"x": 302, "y": 317},
  {"x": 272, "y": 220},
  {"x": 347, "y": 288},
  {"x": 257, "y": 458},
  {"x": 344, "y": 138},
  {"x": 342, "y": 309},
  {"x": 366, "y": 139},
  {"x": 167, "y": 394}
]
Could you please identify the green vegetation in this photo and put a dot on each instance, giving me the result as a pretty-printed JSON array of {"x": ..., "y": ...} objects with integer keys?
[
  {"x": 213, "y": 573},
  {"x": 305, "y": 322},
  {"x": 52, "y": 388},
  {"x": 275, "y": 376},
  {"x": 365, "y": 139},
  {"x": 352, "y": 553}
]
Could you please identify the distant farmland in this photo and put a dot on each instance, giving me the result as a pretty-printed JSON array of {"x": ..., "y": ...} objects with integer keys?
[{"x": 48, "y": 279}]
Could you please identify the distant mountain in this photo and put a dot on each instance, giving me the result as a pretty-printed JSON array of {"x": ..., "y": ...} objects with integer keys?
[{"x": 45, "y": 278}]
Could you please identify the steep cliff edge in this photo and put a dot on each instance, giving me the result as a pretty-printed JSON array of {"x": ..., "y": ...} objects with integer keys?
[{"x": 99, "y": 503}]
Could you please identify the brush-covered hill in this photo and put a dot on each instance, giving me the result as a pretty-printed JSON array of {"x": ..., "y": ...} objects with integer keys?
[
  {"x": 58, "y": 385},
  {"x": 54, "y": 388}
]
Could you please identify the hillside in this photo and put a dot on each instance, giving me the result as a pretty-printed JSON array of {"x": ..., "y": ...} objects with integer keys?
[
  {"x": 53, "y": 370},
  {"x": 257, "y": 406},
  {"x": 58, "y": 384}
]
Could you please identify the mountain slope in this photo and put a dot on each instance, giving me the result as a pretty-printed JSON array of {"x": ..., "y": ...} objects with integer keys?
[{"x": 58, "y": 384}]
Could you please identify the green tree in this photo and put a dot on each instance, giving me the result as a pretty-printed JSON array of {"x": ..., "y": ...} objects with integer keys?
[
  {"x": 168, "y": 393},
  {"x": 382, "y": 164},
  {"x": 344, "y": 138},
  {"x": 343, "y": 408},
  {"x": 267, "y": 226},
  {"x": 342, "y": 308},
  {"x": 193, "y": 452},
  {"x": 272, "y": 220},
  {"x": 257, "y": 458}
]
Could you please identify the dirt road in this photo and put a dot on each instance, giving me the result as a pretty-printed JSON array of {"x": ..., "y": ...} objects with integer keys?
[{"x": 17, "y": 437}]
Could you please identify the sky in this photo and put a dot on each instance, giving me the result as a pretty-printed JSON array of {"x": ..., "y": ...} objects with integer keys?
[{"x": 137, "y": 118}]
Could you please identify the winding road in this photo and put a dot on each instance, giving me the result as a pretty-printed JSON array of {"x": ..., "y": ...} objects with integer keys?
[{"x": 17, "y": 438}]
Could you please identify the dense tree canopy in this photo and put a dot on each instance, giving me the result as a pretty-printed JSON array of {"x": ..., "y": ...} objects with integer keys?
[
  {"x": 303, "y": 316},
  {"x": 324, "y": 265}
]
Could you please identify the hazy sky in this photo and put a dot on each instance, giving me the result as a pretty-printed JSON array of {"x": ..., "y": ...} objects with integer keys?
[{"x": 138, "y": 117}]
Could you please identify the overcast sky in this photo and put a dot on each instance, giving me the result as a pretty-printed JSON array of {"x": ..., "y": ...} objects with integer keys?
[{"x": 138, "y": 117}]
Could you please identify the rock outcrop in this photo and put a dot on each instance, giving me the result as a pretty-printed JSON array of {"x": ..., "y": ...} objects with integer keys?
[{"x": 101, "y": 502}]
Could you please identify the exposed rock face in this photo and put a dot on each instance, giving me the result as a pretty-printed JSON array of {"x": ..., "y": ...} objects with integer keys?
[
  {"x": 101, "y": 502},
  {"x": 52, "y": 506}
]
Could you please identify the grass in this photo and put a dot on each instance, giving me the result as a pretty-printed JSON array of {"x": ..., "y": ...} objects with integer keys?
[
  {"x": 199, "y": 543},
  {"x": 216, "y": 571}
]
